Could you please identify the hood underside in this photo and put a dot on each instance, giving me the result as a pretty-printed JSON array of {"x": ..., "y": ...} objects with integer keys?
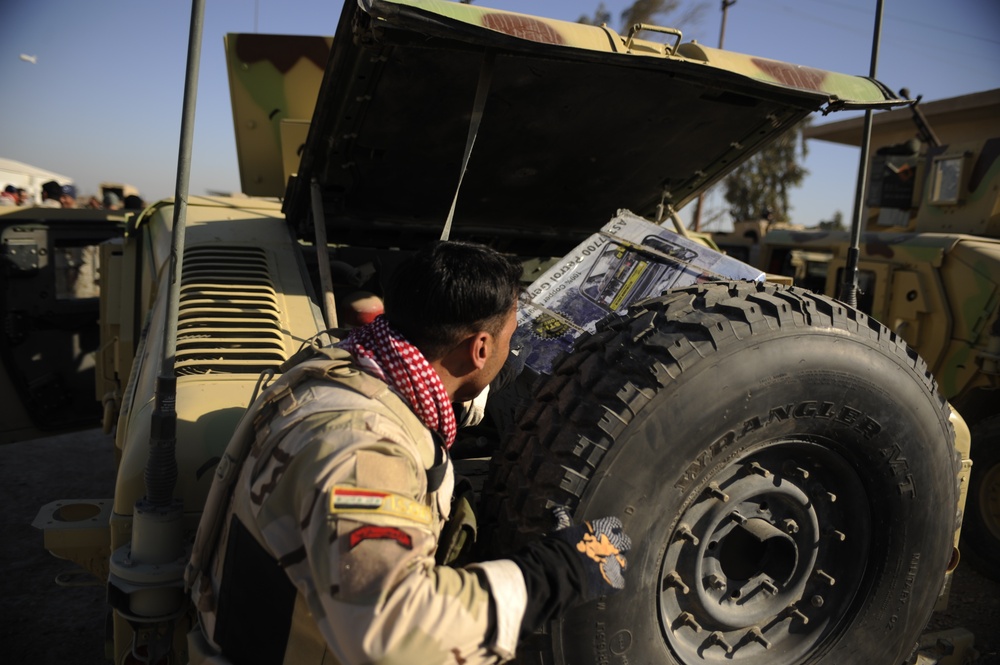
[{"x": 570, "y": 122}]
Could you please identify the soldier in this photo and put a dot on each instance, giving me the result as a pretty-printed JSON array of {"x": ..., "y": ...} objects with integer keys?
[
  {"x": 51, "y": 195},
  {"x": 328, "y": 543}
]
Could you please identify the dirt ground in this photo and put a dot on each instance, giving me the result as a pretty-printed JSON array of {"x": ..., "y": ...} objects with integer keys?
[{"x": 45, "y": 624}]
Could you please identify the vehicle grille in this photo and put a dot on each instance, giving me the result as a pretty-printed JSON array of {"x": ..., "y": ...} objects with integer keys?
[{"x": 228, "y": 318}]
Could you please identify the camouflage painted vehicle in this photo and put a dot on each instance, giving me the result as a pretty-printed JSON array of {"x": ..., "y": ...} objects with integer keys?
[
  {"x": 789, "y": 508},
  {"x": 930, "y": 270}
]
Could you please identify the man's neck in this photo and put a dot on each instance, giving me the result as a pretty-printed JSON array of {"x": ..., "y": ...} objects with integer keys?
[{"x": 450, "y": 382}]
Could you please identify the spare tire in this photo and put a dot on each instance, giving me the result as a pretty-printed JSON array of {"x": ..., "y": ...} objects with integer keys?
[{"x": 784, "y": 467}]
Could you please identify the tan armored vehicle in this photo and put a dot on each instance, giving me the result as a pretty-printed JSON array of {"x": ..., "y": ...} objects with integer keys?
[
  {"x": 929, "y": 269},
  {"x": 785, "y": 462}
]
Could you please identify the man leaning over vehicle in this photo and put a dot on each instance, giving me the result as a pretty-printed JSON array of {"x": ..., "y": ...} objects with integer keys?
[{"x": 328, "y": 542}]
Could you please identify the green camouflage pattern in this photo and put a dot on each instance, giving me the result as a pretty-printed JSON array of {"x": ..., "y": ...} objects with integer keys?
[
  {"x": 273, "y": 82},
  {"x": 275, "y": 79},
  {"x": 843, "y": 88}
]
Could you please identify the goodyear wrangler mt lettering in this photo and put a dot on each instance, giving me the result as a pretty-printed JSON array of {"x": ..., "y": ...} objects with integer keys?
[{"x": 793, "y": 519}]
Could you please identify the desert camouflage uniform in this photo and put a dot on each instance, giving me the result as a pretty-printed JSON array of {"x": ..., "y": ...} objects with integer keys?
[{"x": 336, "y": 489}]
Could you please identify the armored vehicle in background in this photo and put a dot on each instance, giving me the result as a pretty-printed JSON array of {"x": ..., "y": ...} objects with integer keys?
[
  {"x": 929, "y": 269},
  {"x": 784, "y": 462},
  {"x": 50, "y": 298}
]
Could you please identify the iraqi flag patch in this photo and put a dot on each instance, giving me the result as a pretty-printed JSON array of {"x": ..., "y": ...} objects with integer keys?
[{"x": 345, "y": 500}]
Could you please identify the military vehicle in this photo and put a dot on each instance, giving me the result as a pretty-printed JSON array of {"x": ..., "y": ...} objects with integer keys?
[
  {"x": 930, "y": 270},
  {"x": 50, "y": 297},
  {"x": 785, "y": 463},
  {"x": 119, "y": 189}
]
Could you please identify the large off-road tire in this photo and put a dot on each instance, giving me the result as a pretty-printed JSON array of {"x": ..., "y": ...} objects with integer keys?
[
  {"x": 981, "y": 527},
  {"x": 782, "y": 463}
]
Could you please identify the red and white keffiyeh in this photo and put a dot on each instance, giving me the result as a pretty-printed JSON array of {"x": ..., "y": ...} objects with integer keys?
[{"x": 388, "y": 354}]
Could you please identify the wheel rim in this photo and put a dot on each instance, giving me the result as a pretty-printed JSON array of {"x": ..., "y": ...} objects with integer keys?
[{"x": 766, "y": 557}]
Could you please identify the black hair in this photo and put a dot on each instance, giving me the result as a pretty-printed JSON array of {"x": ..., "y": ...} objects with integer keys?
[
  {"x": 451, "y": 289},
  {"x": 133, "y": 202},
  {"x": 52, "y": 189}
]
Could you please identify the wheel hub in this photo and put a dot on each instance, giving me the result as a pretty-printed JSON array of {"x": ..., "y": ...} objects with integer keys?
[{"x": 766, "y": 556}]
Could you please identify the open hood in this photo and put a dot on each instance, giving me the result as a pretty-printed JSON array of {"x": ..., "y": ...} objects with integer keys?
[{"x": 570, "y": 122}]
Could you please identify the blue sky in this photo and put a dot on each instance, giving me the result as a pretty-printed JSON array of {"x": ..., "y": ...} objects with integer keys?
[{"x": 103, "y": 101}]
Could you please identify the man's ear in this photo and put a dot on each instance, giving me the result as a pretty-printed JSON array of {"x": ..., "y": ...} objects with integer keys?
[{"x": 480, "y": 347}]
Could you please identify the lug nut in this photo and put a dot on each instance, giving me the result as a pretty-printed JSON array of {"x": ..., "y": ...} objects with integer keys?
[
  {"x": 816, "y": 601},
  {"x": 674, "y": 580},
  {"x": 684, "y": 532},
  {"x": 791, "y": 468},
  {"x": 738, "y": 517},
  {"x": 718, "y": 638},
  {"x": 716, "y": 582},
  {"x": 790, "y": 526},
  {"x": 687, "y": 619},
  {"x": 769, "y": 586},
  {"x": 754, "y": 467},
  {"x": 826, "y": 578},
  {"x": 794, "y": 613},
  {"x": 819, "y": 492},
  {"x": 836, "y": 535},
  {"x": 714, "y": 490},
  {"x": 758, "y": 636}
]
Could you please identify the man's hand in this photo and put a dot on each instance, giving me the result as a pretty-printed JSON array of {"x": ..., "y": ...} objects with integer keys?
[
  {"x": 570, "y": 565},
  {"x": 602, "y": 544}
]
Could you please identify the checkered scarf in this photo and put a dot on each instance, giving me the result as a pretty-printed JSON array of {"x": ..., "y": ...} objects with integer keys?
[{"x": 382, "y": 350}]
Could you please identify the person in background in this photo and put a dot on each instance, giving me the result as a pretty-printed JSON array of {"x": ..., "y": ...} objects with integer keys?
[
  {"x": 133, "y": 202},
  {"x": 112, "y": 201},
  {"x": 8, "y": 197},
  {"x": 68, "y": 197},
  {"x": 51, "y": 195}
]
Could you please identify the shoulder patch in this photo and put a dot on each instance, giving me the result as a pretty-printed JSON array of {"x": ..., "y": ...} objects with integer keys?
[{"x": 346, "y": 500}]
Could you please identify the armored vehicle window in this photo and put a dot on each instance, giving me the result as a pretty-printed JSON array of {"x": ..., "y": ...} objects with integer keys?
[
  {"x": 893, "y": 180},
  {"x": 946, "y": 178}
]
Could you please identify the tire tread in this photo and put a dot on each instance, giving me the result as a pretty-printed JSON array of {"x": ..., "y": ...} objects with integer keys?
[{"x": 560, "y": 440}]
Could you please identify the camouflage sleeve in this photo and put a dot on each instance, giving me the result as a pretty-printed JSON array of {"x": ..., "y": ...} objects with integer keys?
[{"x": 341, "y": 503}]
